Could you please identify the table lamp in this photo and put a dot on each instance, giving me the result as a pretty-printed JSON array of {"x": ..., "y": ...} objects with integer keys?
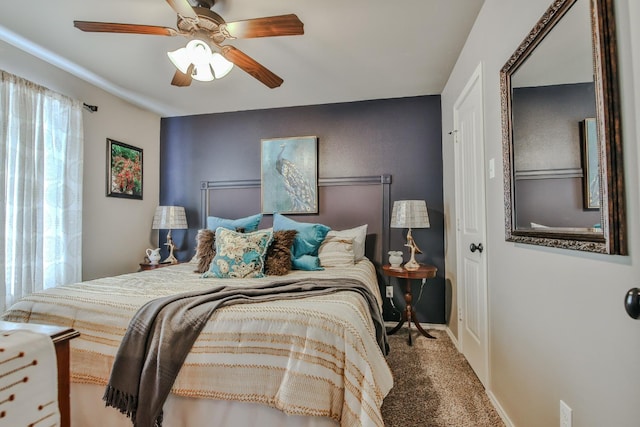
[
  {"x": 410, "y": 214},
  {"x": 169, "y": 217}
]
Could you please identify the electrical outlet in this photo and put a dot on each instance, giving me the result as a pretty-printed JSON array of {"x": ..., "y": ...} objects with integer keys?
[
  {"x": 389, "y": 291},
  {"x": 565, "y": 415}
]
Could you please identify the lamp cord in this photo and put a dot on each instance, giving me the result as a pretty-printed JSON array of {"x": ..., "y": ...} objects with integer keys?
[
  {"x": 394, "y": 306},
  {"x": 420, "y": 293},
  {"x": 415, "y": 303}
]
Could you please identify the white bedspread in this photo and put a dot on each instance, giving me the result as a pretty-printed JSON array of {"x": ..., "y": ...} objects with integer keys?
[{"x": 314, "y": 356}]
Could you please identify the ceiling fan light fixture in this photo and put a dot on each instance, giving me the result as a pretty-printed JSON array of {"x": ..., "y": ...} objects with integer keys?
[
  {"x": 199, "y": 51},
  {"x": 180, "y": 59},
  {"x": 221, "y": 67},
  {"x": 203, "y": 73},
  {"x": 207, "y": 65}
]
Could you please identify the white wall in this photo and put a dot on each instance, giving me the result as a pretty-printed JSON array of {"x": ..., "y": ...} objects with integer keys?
[
  {"x": 558, "y": 329},
  {"x": 115, "y": 231}
]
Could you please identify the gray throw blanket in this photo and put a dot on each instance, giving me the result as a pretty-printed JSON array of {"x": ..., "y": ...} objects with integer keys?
[{"x": 162, "y": 332}]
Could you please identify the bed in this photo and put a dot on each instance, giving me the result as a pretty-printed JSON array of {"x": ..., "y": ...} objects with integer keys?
[{"x": 313, "y": 361}]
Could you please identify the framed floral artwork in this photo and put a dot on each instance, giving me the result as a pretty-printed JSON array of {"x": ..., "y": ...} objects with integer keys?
[
  {"x": 124, "y": 170},
  {"x": 289, "y": 175}
]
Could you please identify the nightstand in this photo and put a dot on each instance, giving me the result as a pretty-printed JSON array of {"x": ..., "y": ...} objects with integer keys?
[
  {"x": 145, "y": 266},
  {"x": 422, "y": 273}
]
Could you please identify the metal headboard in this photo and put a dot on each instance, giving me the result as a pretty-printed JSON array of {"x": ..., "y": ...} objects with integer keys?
[{"x": 383, "y": 181}]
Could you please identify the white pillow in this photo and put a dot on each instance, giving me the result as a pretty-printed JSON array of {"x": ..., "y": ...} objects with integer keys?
[
  {"x": 336, "y": 251},
  {"x": 535, "y": 225},
  {"x": 358, "y": 234}
]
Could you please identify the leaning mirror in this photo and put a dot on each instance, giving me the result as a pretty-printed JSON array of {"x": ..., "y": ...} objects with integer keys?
[{"x": 562, "y": 146}]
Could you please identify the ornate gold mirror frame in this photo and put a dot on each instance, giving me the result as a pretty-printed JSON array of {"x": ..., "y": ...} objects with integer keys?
[{"x": 610, "y": 234}]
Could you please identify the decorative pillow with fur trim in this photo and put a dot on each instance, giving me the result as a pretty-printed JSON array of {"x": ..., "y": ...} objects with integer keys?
[
  {"x": 278, "y": 260},
  {"x": 206, "y": 249}
]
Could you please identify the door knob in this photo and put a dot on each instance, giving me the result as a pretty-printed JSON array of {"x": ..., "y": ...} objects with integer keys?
[
  {"x": 474, "y": 248},
  {"x": 632, "y": 303}
]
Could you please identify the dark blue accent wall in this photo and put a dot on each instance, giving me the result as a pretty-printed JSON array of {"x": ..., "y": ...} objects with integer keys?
[{"x": 400, "y": 137}]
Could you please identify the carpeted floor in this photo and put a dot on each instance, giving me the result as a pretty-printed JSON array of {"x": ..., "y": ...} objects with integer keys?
[{"x": 434, "y": 386}]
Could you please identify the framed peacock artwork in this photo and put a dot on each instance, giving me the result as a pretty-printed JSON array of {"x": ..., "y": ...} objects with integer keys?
[{"x": 289, "y": 175}]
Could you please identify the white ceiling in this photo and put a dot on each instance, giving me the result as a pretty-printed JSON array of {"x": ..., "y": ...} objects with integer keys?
[
  {"x": 352, "y": 50},
  {"x": 564, "y": 56}
]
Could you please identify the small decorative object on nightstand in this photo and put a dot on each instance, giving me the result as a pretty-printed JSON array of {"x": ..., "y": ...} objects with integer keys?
[
  {"x": 395, "y": 259},
  {"x": 153, "y": 255},
  {"x": 423, "y": 272},
  {"x": 410, "y": 214}
]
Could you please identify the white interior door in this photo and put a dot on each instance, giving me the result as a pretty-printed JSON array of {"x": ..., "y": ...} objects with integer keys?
[{"x": 471, "y": 226}]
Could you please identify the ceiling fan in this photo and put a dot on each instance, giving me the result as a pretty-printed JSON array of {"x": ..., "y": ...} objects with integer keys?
[{"x": 199, "y": 22}]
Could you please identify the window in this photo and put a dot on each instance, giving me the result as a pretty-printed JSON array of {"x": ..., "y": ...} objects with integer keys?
[{"x": 41, "y": 156}]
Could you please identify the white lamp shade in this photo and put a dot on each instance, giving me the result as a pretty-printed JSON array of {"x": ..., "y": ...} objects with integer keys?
[
  {"x": 180, "y": 59},
  {"x": 203, "y": 72},
  {"x": 220, "y": 65},
  {"x": 206, "y": 65},
  {"x": 410, "y": 214},
  {"x": 169, "y": 217}
]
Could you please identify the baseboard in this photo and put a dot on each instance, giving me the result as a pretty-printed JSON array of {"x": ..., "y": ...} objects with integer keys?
[
  {"x": 453, "y": 338},
  {"x": 501, "y": 412}
]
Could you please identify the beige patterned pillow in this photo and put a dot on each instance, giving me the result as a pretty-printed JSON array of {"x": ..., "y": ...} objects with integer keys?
[
  {"x": 336, "y": 251},
  {"x": 239, "y": 255},
  {"x": 359, "y": 236}
]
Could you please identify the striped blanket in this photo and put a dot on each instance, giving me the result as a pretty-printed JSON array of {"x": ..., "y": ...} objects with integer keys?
[{"x": 314, "y": 356}]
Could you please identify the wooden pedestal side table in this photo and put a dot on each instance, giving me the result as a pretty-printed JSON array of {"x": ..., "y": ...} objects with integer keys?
[
  {"x": 60, "y": 335},
  {"x": 146, "y": 266},
  {"x": 423, "y": 273}
]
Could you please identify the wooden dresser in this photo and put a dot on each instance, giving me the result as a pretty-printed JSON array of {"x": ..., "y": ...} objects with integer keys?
[{"x": 60, "y": 336}]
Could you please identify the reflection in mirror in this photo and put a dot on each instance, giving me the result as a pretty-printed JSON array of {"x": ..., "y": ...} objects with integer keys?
[
  {"x": 553, "y": 92},
  {"x": 561, "y": 137}
]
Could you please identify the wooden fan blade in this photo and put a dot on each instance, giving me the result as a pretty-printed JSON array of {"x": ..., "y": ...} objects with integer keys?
[
  {"x": 281, "y": 25},
  {"x": 110, "y": 27},
  {"x": 251, "y": 66},
  {"x": 183, "y": 8},
  {"x": 181, "y": 79}
]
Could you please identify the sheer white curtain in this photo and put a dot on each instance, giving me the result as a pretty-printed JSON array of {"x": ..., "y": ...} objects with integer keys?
[{"x": 41, "y": 156}]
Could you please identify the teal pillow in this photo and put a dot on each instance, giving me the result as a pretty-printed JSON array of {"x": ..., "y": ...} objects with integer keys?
[
  {"x": 309, "y": 238},
  {"x": 306, "y": 262},
  {"x": 248, "y": 224},
  {"x": 239, "y": 255}
]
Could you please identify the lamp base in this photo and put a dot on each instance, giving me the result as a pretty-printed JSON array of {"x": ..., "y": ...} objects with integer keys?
[
  {"x": 171, "y": 260},
  {"x": 412, "y": 265}
]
